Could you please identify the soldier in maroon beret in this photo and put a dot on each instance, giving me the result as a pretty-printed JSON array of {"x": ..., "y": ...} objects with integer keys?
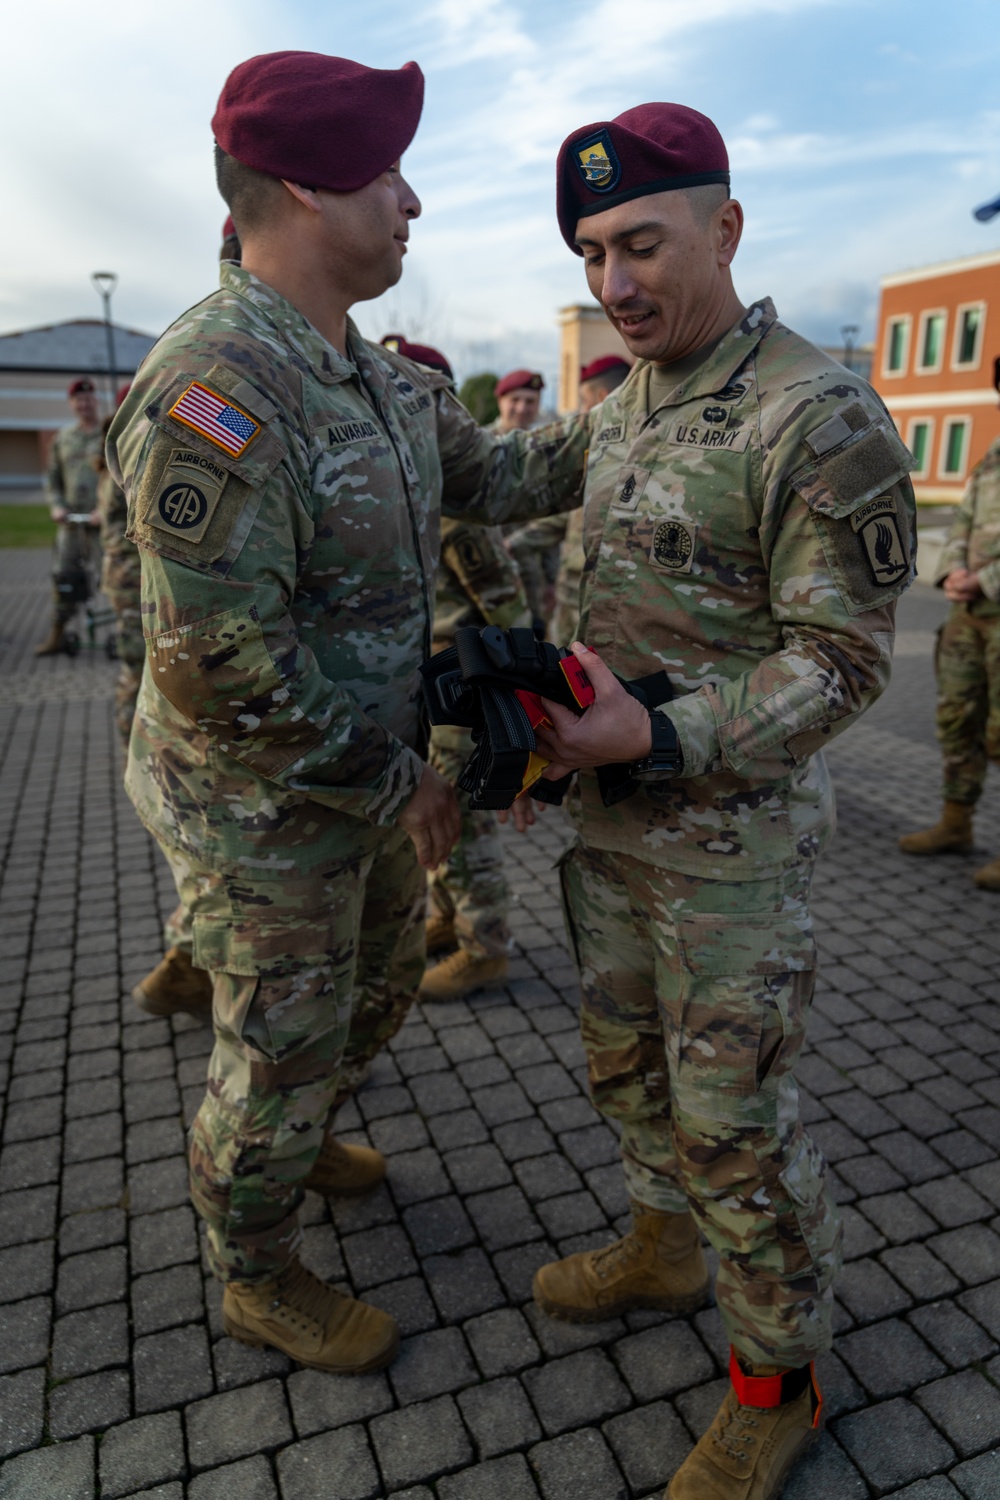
[
  {"x": 518, "y": 395},
  {"x": 748, "y": 525},
  {"x": 286, "y": 480},
  {"x": 71, "y": 487},
  {"x": 423, "y": 354}
]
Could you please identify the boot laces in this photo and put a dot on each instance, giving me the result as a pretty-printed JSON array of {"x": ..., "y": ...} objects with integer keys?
[
  {"x": 301, "y": 1297},
  {"x": 617, "y": 1256},
  {"x": 735, "y": 1428}
]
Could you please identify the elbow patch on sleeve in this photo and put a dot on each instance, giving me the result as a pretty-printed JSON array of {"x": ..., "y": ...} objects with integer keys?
[{"x": 219, "y": 674}]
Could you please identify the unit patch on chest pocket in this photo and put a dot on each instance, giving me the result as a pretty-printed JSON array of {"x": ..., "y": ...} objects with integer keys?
[{"x": 673, "y": 545}]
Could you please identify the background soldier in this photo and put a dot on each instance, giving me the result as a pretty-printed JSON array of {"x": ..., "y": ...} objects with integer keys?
[
  {"x": 71, "y": 484},
  {"x": 285, "y": 480},
  {"x": 519, "y": 395},
  {"x": 121, "y": 584},
  {"x": 968, "y": 667},
  {"x": 532, "y": 545},
  {"x": 748, "y": 525}
]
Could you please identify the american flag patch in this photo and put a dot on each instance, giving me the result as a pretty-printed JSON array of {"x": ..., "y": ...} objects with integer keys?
[{"x": 225, "y": 425}]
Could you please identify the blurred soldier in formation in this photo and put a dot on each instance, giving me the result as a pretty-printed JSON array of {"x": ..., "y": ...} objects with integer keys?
[
  {"x": 748, "y": 526},
  {"x": 532, "y": 545},
  {"x": 285, "y": 481},
  {"x": 968, "y": 667},
  {"x": 71, "y": 485},
  {"x": 519, "y": 395},
  {"x": 121, "y": 584},
  {"x": 477, "y": 584}
]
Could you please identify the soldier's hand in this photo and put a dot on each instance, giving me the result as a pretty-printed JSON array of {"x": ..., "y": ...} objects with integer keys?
[
  {"x": 521, "y": 813},
  {"x": 59, "y": 514},
  {"x": 961, "y": 586},
  {"x": 432, "y": 819},
  {"x": 95, "y": 517},
  {"x": 614, "y": 728}
]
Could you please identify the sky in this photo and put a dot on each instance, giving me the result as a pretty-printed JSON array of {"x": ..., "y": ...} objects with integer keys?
[{"x": 861, "y": 133}]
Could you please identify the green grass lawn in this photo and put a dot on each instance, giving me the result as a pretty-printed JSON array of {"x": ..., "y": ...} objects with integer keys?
[{"x": 26, "y": 526}]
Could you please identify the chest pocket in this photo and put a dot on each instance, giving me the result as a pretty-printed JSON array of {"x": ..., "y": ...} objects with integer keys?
[
  {"x": 861, "y": 506},
  {"x": 204, "y": 469}
]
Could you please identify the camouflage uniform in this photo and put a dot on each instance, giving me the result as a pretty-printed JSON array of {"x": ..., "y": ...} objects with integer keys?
[
  {"x": 968, "y": 653},
  {"x": 533, "y": 547},
  {"x": 286, "y": 502},
  {"x": 71, "y": 482},
  {"x": 121, "y": 586},
  {"x": 750, "y": 536},
  {"x": 477, "y": 584}
]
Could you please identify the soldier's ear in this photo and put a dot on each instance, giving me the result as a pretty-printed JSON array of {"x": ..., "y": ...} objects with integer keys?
[
  {"x": 729, "y": 230},
  {"x": 307, "y": 196}
]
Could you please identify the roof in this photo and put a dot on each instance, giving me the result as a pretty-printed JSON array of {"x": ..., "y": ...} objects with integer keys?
[
  {"x": 942, "y": 268},
  {"x": 73, "y": 348}
]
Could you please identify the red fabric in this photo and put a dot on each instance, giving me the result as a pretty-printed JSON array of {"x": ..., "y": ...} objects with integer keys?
[
  {"x": 424, "y": 354},
  {"x": 318, "y": 121},
  {"x": 121, "y": 393},
  {"x": 768, "y": 1391},
  {"x": 649, "y": 149},
  {"x": 228, "y": 229},
  {"x": 83, "y": 384},
  {"x": 599, "y": 366},
  {"x": 519, "y": 380}
]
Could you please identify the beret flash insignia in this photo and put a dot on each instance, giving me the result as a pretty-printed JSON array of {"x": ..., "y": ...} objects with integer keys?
[{"x": 598, "y": 162}]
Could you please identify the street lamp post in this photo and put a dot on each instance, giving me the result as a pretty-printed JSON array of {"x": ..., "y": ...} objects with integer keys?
[
  {"x": 849, "y": 333},
  {"x": 104, "y": 283}
]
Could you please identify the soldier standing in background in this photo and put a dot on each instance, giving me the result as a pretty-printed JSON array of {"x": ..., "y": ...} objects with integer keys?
[
  {"x": 285, "y": 480},
  {"x": 519, "y": 396},
  {"x": 71, "y": 485},
  {"x": 748, "y": 524},
  {"x": 532, "y": 545},
  {"x": 968, "y": 667}
]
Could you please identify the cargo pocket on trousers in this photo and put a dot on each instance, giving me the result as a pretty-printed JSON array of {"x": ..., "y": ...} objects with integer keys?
[{"x": 745, "y": 987}]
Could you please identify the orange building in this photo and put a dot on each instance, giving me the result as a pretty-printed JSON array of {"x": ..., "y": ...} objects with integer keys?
[
  {"x": 585, "y": 334},
  {"x": 933, "y": 368}
]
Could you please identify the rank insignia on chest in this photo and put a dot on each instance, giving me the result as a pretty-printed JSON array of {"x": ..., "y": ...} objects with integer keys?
[
  {"x": 598, "y": 162},
  {"x": 631, "y": 483},
  {"x": 673, "y": 546},
  {"x": 878, "y": 527},
  {"x": 226, "y": 425}
]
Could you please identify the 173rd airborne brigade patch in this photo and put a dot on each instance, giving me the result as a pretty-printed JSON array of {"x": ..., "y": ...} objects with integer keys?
[{"x": 877, "y": 527}]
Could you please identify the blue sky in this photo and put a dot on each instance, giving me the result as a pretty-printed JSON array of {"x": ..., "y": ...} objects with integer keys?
[{"x": 861, "y": 132}]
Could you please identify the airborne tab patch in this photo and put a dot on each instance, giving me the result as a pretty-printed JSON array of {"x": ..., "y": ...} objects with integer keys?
[
  {"x": 188, "y": 493},
  {"x": 878, "y": 527},
  {"x": 214, "y": 417}
]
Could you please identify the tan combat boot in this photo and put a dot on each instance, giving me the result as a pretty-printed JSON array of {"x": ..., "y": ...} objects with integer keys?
[
  {"x": 53, "y": 642},
  {"x": 459, "y": 974},
  {"x": 658, "y": 1264},
  {"x": 440, "y": 933},
  {"x": 175, "y": 985},
  {"x": 345, "y": 1171},
  {"x": 951, "y": 834},
  {"x": 310, "y": 1321},
  {"x": 987, "y": 877},
  {"x": 749, "y": 1450}
]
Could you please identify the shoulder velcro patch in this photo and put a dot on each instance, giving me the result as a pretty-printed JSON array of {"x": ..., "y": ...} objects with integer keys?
[
  {"x": 849, "y": 472},
  {"x": 189, "y": 490},
  {"x": 216, "y": 418}
]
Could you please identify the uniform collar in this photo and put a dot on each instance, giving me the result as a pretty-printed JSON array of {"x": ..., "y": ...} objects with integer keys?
[
  {"x": 732, "y": 351},
  {"x": 329, "y": 367}
]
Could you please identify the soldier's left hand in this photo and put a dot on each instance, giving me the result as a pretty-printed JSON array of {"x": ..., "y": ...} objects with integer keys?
[
  {"x": 521, "y": 813},
  {"x": 614, "y": 728},
  {"x": 94, "y": 518}
]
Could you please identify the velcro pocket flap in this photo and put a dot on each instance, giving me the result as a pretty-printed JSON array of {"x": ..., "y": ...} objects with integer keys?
[{"x": 867, "y": 464}]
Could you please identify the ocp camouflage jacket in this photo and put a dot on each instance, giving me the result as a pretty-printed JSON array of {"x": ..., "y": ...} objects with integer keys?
[
  {"x": 286, "y": 501},
  {"x": 749, "y": 536},
  {"x": 974, "y": 537}
]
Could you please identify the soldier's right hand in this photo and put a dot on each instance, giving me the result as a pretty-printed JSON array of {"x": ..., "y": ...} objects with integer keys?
[
  {"x": 59, "y": 514},
  {"x": 432, "y": 819}
]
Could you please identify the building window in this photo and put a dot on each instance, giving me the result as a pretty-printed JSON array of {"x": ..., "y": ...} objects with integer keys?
[
  {"x": 931, "y": 346},
  {"x": 897, "y": 338},
  {"x": 968, "y": 336},
  {"x": 919, "y": 443},
  {"x": 954, "y": 445}
]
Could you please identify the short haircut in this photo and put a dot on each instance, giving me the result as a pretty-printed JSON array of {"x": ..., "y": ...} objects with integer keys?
[
  {"x": 610, "y": 380},
  {"x": 705, "y": 200},
  {"x": 251, "y": 196}
]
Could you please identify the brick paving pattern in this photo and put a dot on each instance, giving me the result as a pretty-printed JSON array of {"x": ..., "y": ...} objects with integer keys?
[{"x": 115, "y": 1379}]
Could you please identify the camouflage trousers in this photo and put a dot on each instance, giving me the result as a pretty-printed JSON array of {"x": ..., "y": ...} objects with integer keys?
[
  {"x": 470, "y": 888},
  {"x": 75, "y": 547},
  {"x": 695, "y": 998},
  {"x": 968, "y": 707},
  {"x": 131, "y": 656},
  {"x": 312, "y": 975}
]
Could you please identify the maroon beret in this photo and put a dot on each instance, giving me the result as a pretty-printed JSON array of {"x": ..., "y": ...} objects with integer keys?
[
  {"x": 320, "y": 121},
  {"x": 121, "y": 393},
  {"x": 650, "y": 149},
  {"x": 519, "y": 380},
  {"x": 423, "y": 354},
  {"x": 79, "y": 387},
  {"x": 602, "y": 365}
]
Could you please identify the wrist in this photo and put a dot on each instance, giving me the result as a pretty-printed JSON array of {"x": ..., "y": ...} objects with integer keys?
[{"x": 664, "y": 759}]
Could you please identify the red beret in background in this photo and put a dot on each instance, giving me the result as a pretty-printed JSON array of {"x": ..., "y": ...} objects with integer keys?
[
  {"x": 77, "y": 387},
  {"x": 519, "y": 380},
  {"x": 650, "y": 149},
  {"x": 602, "y": 365},
  {"x": 316, "y": 120},
  {"x": 122, "y": 392},
  {"x": 424, "y": 354}
]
